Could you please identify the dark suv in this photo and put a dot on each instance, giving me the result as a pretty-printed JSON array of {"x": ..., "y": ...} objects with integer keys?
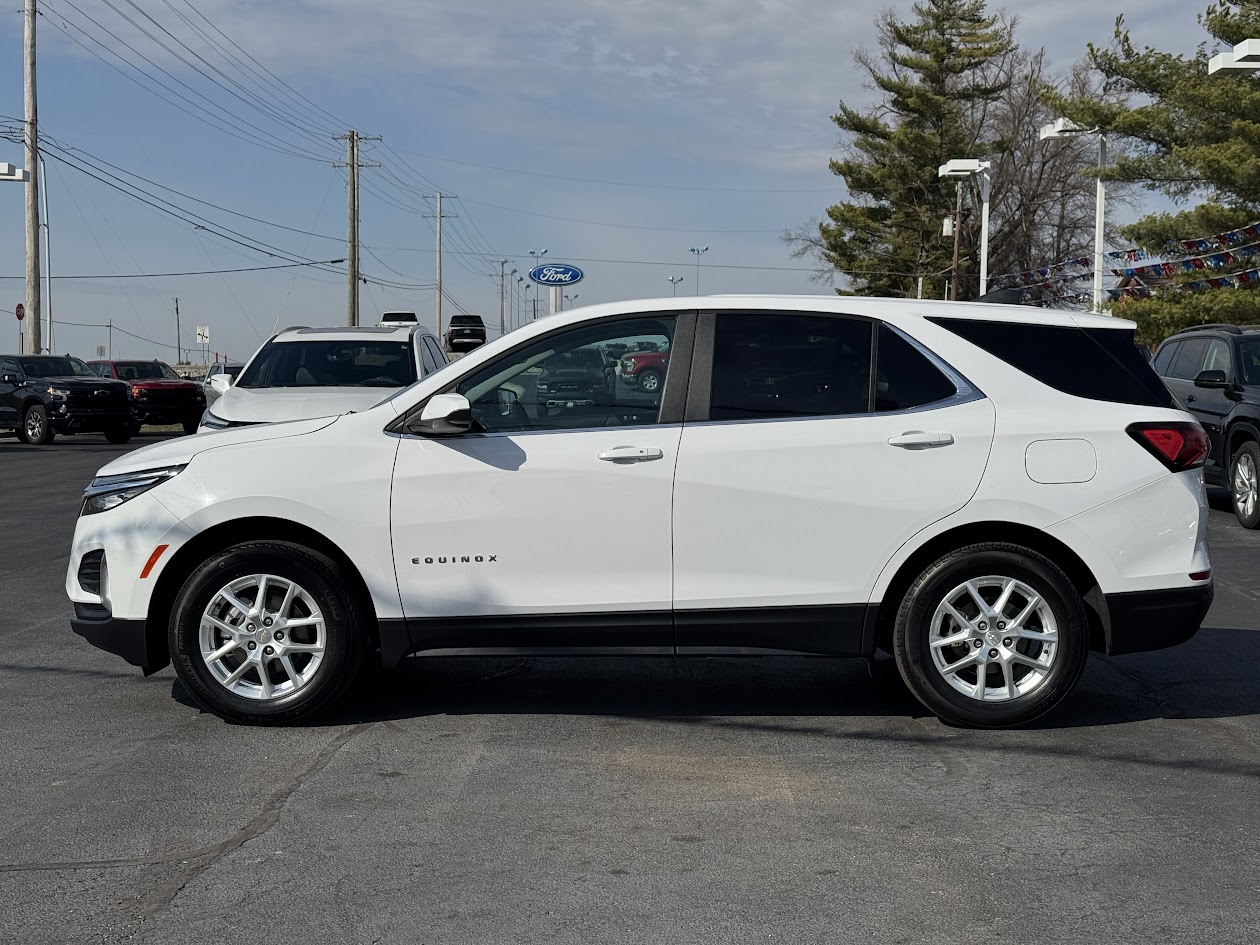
[
  {"x": 1215, "y": 372},
  {"x": 42, "y": 395},
  {"x": 465, "y": 332}
]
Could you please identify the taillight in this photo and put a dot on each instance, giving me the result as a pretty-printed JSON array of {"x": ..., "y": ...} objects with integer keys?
[{"x": 1178, "y": 445}]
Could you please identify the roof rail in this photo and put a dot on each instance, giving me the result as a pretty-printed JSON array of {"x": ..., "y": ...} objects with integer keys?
[
  {"x": 1215, "y": 326},
  {"x": 291, "y": 328}
]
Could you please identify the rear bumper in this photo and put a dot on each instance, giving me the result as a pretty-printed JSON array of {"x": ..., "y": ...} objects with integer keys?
[
  {"x": 1154, "y": 620},
  {"x": 129, "y": 639}
]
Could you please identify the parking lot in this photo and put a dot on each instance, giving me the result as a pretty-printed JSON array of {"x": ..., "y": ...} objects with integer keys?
[{"x": 615, "y": 800}]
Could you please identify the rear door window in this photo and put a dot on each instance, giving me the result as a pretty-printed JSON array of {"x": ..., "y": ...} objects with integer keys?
[
  {"x": 1189, "y": 361},
  {"x": 1095, "y": 363},
  {"x": 906, "y": 377},
  {"x": 782, "y": 366}
]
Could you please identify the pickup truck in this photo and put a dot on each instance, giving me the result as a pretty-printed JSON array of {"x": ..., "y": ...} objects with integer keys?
[{"x": 42, "y": 395}]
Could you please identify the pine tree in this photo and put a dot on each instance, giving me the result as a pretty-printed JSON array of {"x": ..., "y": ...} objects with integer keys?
[
  {"x": 934, "y": 72},
  {"x": 1189, "y": 135}
]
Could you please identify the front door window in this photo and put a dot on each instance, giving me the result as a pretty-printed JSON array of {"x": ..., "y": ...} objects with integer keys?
[{"x": 606, "y": 374}]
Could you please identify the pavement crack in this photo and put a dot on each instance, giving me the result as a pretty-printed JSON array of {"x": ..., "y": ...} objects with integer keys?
[{"x": 197, "y": 861}]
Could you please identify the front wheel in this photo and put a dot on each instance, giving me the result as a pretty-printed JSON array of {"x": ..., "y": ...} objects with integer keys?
[
  {"x": 991, "y": 635},
  {"x": 35, "y": 428},
  {"x": 650, "y": 381},
  {"x": 266, "y": 633},
  {"x": 1244, "y": 483}
]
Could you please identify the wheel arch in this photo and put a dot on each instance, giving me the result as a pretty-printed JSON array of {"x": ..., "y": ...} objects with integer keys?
[
  {"x": 235, "y": 532},
  {"x": 1240, "y": 431},
  {"x": 1078, "y": 572}
]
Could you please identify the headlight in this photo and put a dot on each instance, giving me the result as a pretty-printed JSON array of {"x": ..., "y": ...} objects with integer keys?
[
  {"x": 58, "y": 393},
  {"x": 107, "y": 492},
  {"x": 214, "y": 423}
]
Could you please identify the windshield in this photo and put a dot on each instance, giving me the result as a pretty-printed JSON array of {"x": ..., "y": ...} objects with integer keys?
[
  {"x": 1249, "y": 360},
  {"x": 331, "y": 364},
  {"x": 144, "y": 371},
  {"x": 49, "y": 366}
]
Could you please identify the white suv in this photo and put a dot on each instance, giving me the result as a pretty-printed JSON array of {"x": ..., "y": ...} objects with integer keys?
[
  {"x": 988, "y": 492},
  {"x": 302, "y": 373}
]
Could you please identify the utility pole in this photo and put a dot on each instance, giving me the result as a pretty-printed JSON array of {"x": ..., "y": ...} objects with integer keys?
[
  {"x": 953, "y": 278},
  {"x": 502, "y": 317},
  {"x": 33, "y": 342},
  {"x": 439, "y": 215},
  {"x": 178, "y": 351},
  {"x": 352, "y": 165}
]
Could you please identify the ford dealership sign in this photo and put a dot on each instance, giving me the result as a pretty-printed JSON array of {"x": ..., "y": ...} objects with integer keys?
[{"x": 556, "y": 275}]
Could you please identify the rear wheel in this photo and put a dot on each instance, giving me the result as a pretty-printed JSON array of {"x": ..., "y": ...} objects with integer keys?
[
  {"x": 1244, "y": 481},
  {"x": 991, "y": 635},
  {"x": 266, "y": 633},
  {"x": 118, "y": 435},
  {"x": 190, "y": 426},
  {"x": 35, "y": 428}
]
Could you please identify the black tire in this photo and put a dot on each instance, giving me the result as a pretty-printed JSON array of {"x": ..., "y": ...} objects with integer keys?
[
  {"x": 650, "y": 380},
  {"x": 1249, "y": 450},
  {"x": 190, "y": 426},
  {"x": 912, "y": 634},
  {"x": 35, "y": 428},
  {"x": 322, "y": 579},
  {"x": 118, "y": 435}
]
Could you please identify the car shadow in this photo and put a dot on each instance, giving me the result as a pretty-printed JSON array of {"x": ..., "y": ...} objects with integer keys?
[{"x": 1213, "y": 676}]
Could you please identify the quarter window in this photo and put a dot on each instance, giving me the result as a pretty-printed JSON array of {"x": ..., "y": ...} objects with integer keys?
[
  {"x": 606, "y": 374},
  {"x": 778, "y": 366},
  {"x": 1164, "y": 360}
]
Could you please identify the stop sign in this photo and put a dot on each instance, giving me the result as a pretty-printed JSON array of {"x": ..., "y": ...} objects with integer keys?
[{"x": 21, "y": 311}]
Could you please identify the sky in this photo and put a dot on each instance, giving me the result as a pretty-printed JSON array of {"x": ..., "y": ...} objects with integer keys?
[{"x": 616, "y": 134}]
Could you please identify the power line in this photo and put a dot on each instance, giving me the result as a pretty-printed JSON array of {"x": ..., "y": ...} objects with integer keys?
[
  {"x": 622, "y": 183},
  {"x": 619, "y": 226},
  {"x": 198, "y": 272}
]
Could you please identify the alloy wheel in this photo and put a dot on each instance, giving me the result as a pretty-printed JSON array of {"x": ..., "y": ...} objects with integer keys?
[
  {"x": 994, "y": 639},
  {"x": 263, "y": 637},
  {"x": 34, "y": 426},
  {"x": 1246, "y": 486}
]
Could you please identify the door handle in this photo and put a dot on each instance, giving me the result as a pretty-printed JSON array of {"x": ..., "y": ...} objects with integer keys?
[
  {"x": 917, "y": 439},
  {"x": 631, "y": 454}
]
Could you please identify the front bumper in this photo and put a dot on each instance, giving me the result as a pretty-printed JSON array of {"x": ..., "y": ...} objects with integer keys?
[
  {"x": 1154, "y": 620},
  {"x": 169, "y": 413},
  {"x": 65, "y": 419},
  {"x": 129, "y": 639}
]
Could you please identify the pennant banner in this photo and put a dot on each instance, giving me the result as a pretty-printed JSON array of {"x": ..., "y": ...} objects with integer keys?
[
  {"x": 1231, "y": 281},
  {"x": 1165, "y": 270}
]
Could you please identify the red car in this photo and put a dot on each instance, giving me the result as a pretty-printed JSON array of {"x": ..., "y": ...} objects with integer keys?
[
  {"x": 644, "y": 369},
  {"x": 160, "y": 395}
]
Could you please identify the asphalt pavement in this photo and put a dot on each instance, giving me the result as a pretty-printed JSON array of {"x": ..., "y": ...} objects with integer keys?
[{"x": 615, "y": 800}]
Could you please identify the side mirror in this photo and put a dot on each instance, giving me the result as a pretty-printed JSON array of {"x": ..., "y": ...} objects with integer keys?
[
  {"x": 443, "y": 415},
  {"x": 1215, "y": 380},
  {"x": 508, "y": 400},
  {"x": 220, "y": 383},
  {"x": 8, "y": 378}
]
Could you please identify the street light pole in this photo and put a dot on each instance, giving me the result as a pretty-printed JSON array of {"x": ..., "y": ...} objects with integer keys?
[
  {"x": 699, "y": 252},
  {"x": 673, "y": 284},
  {"x": 1063, "y": 128},
  {"x": 43, "y": 192},
  {"x": 502, "y": 317}
]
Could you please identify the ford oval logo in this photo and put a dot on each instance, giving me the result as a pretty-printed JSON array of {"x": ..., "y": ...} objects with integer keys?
[{"x": 556, "y": 275}]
